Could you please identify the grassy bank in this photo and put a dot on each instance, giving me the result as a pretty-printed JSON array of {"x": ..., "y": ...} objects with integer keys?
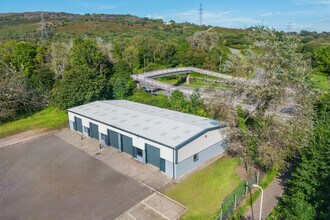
[
  {"x": 203, "y": 191},
  {"x": 49, "y": 118}
]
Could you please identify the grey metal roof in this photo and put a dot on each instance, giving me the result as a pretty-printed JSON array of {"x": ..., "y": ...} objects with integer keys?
[{"x": 170, "y": 128}]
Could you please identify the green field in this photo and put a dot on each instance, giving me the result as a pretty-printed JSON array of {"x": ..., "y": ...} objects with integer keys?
[
  {"x": 203, "y": 191},
  {"x": 49, "y": 118}
]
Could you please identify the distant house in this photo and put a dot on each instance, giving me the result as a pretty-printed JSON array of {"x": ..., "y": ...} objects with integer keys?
[{"x": 174, "y": 142}]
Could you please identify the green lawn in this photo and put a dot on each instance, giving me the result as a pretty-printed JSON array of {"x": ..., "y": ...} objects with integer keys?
[
  {"x": 49, "y": 118},
  {"x": 203, "y": 191}
]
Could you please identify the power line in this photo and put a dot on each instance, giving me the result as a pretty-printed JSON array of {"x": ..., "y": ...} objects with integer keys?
[
  {"x": 200, "y": 14},
  {"x": 289, "y": 27},
  {"x": 44, "y": 34}
]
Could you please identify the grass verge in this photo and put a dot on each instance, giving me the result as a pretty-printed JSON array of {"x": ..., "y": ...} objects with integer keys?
[
  {"x": 269, "y": 177},
  {"x": 49, "y": 118},
  {"x": 203, "y": 191}
]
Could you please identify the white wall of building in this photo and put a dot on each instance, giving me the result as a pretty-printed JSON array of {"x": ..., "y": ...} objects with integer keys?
[{"x": 201, "y": 143}]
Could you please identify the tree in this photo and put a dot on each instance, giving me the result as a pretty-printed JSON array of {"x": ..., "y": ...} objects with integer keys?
[
  {"x": 260, "y": 134},
  {"x": 321, "y": 58},
  {"x": 17, "y": 97},
  {"x": 308, "y": 190},
  {"x": 59, "y": 57},
  {"x": 205, "y": 40},
  {"x": 85, "y": 53},
  {"x": 197, "y": 104},
  {"x": 123, "y": 88},
  {"x": 31, "y": 60},
  {"x": 87, "y": 76},
  {"x": 121, "y": 70}
]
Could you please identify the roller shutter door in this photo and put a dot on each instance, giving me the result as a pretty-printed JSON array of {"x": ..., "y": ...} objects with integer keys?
[
  {"x": 153, "y": 155},
  {"x": 77, "y": 124},
  {"x": 127, "y": 144},
  {"x": 113, "y": 138},
  {"x": 94, "y": 130}
]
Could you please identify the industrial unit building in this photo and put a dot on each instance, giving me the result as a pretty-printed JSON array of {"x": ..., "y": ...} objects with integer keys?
[{"x": 174, "y": 142}]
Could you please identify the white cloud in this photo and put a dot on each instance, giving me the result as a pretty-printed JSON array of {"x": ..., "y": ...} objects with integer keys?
[
  {"x": 98, "y": 6},
  {"x": 324, "y": 20},
  {"x": 314, "y": 2},
  {"x": 155, "y": 16},
  {"x": 267, "y": 14},
  {"x": 224, "y": 18},
  {"x": 85, "y": 4},
  {"x": 107, "y": 7}
]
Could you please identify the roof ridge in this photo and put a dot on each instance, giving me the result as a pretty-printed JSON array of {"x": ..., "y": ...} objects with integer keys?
[{"x": 162, "y": 117}]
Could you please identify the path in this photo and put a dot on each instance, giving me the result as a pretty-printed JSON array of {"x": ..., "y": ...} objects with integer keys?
[
  {"x": 271, "y": 197},
  {"x": 24, "y": 137}
]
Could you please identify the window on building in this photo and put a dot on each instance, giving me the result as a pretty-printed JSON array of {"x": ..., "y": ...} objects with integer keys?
[
  {"x": 86, "y": 129},
  {"x": 139, "y": 152},
  {"x": 196, "y": 157},
  {"x": 103, "y": 136}
]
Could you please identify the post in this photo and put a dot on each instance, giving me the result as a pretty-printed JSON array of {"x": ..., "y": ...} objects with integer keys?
[
  {"x": 261, "y": 201},
  {"x": 221, "y": 213},
  {"x": 220, "y": 64},
  {"x": 235, "y": 201},
  {"x": 144, "y": 63},
  {"x": 188, "y": 78},
  {"x": 246, "y": 188},
  {"x": 257, "y": 177}
]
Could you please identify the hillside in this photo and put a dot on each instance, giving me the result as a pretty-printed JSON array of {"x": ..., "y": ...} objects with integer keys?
[{"x": 27, "y": 26}]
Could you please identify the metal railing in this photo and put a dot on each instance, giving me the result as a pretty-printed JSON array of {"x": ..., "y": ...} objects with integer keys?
[
  {"x": 179, "y": 70},
  {"x": 235, "y": 198}
]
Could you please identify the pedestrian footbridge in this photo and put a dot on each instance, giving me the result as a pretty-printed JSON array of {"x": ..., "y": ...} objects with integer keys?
[{"x": 147, "y": 78}]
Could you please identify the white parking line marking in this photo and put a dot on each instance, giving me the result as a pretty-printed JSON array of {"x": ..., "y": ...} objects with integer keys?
[
  {"x": 131, "y": 216},
  {"x": 155, "y": 210}
]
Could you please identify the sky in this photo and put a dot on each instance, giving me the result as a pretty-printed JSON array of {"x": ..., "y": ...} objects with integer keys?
[{"x": 295, "y": 15}]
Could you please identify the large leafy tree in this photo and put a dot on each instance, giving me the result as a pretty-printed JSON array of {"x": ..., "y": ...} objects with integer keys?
[
  {"x": 261, "y": 134},
  {"x": 308, "y": 192},
  {"x": 123, "y": 85},
  {"x": 30, "y": 60},
  {"x": 17, "y": 97},
  {"x": 87, "y": 76}
]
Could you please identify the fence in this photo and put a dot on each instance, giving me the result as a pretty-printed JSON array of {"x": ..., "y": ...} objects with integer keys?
[{"x": 234, "y": 199}]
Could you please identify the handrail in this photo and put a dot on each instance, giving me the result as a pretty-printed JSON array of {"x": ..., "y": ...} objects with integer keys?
[{"x": 180, "y": 69}]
